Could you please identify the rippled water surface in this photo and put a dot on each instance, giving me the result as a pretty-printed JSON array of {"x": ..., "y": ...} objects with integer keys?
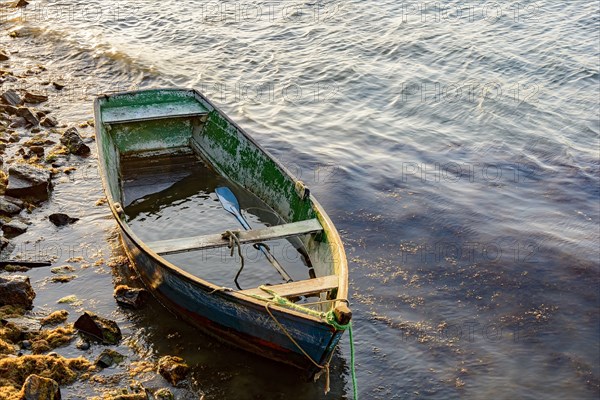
[{"x": 456, "y": 150}]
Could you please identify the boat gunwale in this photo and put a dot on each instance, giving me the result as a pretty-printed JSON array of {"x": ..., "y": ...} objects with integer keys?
[{"x": 335, "y": 242}]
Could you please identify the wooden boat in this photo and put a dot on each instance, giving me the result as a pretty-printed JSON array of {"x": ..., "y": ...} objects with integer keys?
[{"x": 143, "y": 126}]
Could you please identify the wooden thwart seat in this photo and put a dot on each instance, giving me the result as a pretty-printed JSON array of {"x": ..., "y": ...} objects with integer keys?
[
  {"x": 173, "y": 246},
  {"x": 298, "y": 288}
]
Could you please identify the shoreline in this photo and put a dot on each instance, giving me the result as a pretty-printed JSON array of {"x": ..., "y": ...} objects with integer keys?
[{"x": 41, "y": 152}]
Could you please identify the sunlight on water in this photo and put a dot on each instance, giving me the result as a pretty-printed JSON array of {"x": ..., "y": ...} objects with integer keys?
[{"x": 455, "y": 147}]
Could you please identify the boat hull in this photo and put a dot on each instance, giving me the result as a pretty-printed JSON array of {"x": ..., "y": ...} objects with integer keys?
[{"x": 241, "y": 324}]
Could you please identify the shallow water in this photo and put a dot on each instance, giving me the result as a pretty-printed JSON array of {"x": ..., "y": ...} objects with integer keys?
[
  {"x": 457, "y": 153},
  {"x": 174, "y": 197}
]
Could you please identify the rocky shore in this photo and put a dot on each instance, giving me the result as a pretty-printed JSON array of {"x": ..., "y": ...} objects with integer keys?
[{"x": 37, "y": 150}]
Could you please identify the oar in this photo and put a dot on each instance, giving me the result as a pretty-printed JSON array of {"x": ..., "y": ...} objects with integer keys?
[{"x": 231, "y": 204}]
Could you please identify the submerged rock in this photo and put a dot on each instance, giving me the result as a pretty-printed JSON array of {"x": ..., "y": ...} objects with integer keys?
[
  {"x": 39, "y": 388},
  {"x": 11, "y": 97},
  {"x": 60, "y": 219},
  {"x": 16, "y": 290},
  {"x": 18, "y": 122},
  {"x": 24, "y": 324},
  {"x": 3, "y": 56},
  {"x": 108, "y": 358},
  {"x": 34, "y": 98},
  {"x": 63, "y": 278},
  {"x": 56, "y": 317},
  {"x": 164, "y": 394},
  {"x": 73, "y": 142},
  {"x": 25, "y": 180},
  {"x": 173, "y": 369},
  {"x": 82, "y": 344},
  {"x": 131, "y": 297},
  {"x": 99, "y": 328}
]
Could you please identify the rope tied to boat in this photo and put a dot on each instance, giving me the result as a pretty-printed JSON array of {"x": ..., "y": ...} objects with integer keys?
[
  {"x": 328, "y": 317},
  {"x": 234, "y": 240}
]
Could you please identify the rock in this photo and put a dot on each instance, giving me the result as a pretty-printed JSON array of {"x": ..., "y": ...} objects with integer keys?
[
  {"x": 14, "y": 228},
  {"x": 3, "y": 56},
  {"x": 109, "y": 357},
  {"x": 37, "y": 150},
  {"x": 20, "y": 3},
  {"x": 12, "y": 98},
  {"x": 39, "y": 388},
  {"x": 82, "y": 344},
  {"x": 16, "y": 290},
  {"x": 25, "y": 325},
  {"x": 40, "y": 346},
  {"x": 63, "y": 269},
  {"x": 29, "y": 116},
  {"x": 60, "y": 219},
  {"x": 100, "y": 328},
  {"x": 26, "y": 344},
  {"x": 131, "y": 297},
  {"x": 74, "y": 143},
  {"x": 164, "y": 394},
  {"x": 56, "y": 317},
  {"x": 58, "y": 85},
  {"x": 173, "y": 369},
  {"x": 63, "y": 278},
  {"x": 18, "y": 122},
  {"x": 25, "y": 180},
  {"x": 34, "y": 98},
  {"x": 38, "y": 140},
  {"x": 4, "y": 243},
  {"x": 48, "y": 122},
  {"x": 10, "y": 205},
  {"x": 11, "y": 110},
  {"x": 70, "y": 299}
]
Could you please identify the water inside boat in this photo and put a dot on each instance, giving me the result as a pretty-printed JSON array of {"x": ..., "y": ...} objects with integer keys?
[{"x": 173, "y": 196}]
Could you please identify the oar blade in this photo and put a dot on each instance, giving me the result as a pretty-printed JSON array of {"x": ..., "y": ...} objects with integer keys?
[{"x": 228, "y": 200}]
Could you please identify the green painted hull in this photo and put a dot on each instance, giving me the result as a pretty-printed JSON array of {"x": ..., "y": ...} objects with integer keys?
[{"x": 160, "y": 121}]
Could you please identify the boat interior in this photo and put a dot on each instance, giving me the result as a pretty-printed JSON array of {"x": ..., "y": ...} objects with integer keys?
[{"x": 164, "y": 164}]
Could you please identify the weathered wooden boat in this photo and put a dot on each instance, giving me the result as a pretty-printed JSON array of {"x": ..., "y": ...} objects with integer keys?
[{"x": 146, "y": 125}]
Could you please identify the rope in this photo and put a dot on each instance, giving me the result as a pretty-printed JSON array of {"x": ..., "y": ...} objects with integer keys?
[
  {"x": 329, "y": 317},
  {"x": 352, "y": 368},
  {"x": 234, "y": 240}
]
